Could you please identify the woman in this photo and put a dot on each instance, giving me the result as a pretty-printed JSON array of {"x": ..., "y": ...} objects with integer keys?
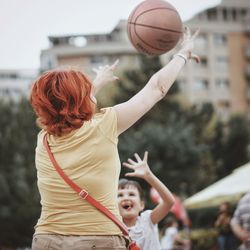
[
  {"x": 226, "y": 239},
  {"x": 84, "y": 144}
]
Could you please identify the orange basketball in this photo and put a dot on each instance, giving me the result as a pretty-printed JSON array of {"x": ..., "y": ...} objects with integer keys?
[{"x": 154, "y": 27}]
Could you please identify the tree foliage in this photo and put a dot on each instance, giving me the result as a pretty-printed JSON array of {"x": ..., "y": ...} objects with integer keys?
[
  {"x": 184, "y": 142},
  {"x": 231, "y": 143},
  {"x": 19, "y": 197}
]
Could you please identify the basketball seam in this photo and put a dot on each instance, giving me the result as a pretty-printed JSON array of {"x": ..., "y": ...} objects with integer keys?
[
  {"x": 134, "y": 23},
  {"x": 147, "y": 43},
  {"x": 129, "y": 33},
  {"x": 158, "y": 28},
  {"x": 131, "y": 17},
  {"x": 133, "y": 12},
  {"x": 156, "y": 9}
]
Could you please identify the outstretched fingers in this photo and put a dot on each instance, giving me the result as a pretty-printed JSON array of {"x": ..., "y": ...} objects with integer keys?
[
  {"x": 137, "y": 157},
  {"x": 184, "y": 34},
  {"x": 187, "y": 35},
  {"x": 130, "y": 166},
  {"x": 127, "y": 165},
  {"x": 131, "y": 161},
  {"x": 145, "y": 158},
  {"x": 113, "y": 66},
  {"x": 188, "y": 43},
  {"x": 196, "y": 33}
]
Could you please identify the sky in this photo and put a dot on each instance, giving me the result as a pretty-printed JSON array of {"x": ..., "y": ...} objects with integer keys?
[{"x": 26, "y": 24}]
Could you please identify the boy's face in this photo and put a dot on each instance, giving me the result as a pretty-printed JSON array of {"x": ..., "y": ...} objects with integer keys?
[{"x": 129, "y": 201}]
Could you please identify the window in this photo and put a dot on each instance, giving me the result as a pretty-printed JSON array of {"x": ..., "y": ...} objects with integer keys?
[
  {"x": 79, "y": 41},
  {"x": 201, "y": 41},
  {"x": 221, "y": 63},
  {"x": 211, "y": 14},
  {"x": 222, "y": 83},
  {"x": 220, "y": 39},
  {"x": 8, "y": 76},
  {"x": 96, "y": 61},
  {"x": 203, "y": 62},
  {"x": 5, "y": 91},
  {"x": 234, "y": 14},
  {"x": 201, "y": 84},
  {"x": 17, "y": 91},
  {"x": 225, "y": 14},
  {"x": 56, "y": 41},
  {"x": 109, "y": 37},
  {"x": 224, "y": 104},
  {"x": 243, "y": 13}
]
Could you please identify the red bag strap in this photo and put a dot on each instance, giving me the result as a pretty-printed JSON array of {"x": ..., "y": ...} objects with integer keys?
[{"x": 82, "y": 192}]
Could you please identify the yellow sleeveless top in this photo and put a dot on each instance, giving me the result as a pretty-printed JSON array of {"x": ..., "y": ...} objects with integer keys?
[{"x": 89, "y": 156}]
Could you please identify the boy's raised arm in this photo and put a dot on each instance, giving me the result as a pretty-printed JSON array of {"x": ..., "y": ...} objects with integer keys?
[{"x": 142, "y": 170}]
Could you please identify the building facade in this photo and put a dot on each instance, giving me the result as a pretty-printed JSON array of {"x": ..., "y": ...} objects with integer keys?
[
  {"x": 15, "y": 84},
  {"x": 222, "y": 77}
]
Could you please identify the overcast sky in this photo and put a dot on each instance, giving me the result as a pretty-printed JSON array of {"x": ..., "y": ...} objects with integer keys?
[{"x": 26, "y": 24}]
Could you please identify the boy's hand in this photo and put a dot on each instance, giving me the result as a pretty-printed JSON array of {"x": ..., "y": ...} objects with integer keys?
[
  {"x": 142, "y": 170},
  {"x": 140, "y": 167}
]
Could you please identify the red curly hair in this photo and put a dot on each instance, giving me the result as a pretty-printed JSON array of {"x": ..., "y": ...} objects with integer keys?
[{"x": 62, "y": 101}]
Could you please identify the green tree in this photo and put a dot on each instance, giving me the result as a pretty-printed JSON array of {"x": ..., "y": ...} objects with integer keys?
[
  {"x": 19, "y": 197},
  {"x": 173, "y": 134},
  {"x": 236, "y": 143},
  {"x": 229, "y": 145}
]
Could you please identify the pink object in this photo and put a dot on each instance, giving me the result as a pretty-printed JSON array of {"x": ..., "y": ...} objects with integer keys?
[{"x": 178, "y": 209}]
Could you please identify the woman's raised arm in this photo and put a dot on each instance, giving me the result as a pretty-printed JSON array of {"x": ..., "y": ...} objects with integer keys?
[{"x": 157, "y": 87}]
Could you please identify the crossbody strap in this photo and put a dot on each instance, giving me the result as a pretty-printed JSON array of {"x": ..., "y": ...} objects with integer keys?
[{"x": 82, "y": 192}]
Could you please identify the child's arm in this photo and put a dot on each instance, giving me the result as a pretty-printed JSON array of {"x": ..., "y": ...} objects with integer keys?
[{"x": 142, "y": 170}]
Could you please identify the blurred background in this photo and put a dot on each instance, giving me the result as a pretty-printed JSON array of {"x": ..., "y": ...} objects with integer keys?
[{"x": 197, "y": 136}]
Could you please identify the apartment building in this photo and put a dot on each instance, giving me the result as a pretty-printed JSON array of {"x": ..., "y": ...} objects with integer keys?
[
  {"x": 222, "y": 77},
  {"x": 88, "y": 51},
  {"x": 15, "y": 84}
]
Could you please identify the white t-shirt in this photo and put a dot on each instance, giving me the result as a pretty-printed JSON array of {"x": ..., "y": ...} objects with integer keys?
[
  {"x": 167, "y": 241},
  {"x": 145, "y": 233}
]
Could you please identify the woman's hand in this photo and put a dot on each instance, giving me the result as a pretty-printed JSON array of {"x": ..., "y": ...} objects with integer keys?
[
  {"x": 187, "y": 45},
  {"x": 140, "y": 166},
  {"x": 104, "y": 75}
]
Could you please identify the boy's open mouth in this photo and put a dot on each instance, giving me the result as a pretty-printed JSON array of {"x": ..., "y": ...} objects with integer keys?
[{"x": 127, "y": 205}]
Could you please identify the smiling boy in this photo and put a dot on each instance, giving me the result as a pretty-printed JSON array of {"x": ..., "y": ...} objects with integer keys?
[{"x": 142, "y": 225}]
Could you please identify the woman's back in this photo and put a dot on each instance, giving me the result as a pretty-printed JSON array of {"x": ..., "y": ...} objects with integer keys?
[{"x": 89, "y": 157}]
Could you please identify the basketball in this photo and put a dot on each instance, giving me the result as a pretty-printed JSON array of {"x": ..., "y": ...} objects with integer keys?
[{"x": 154, "y": 27}]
